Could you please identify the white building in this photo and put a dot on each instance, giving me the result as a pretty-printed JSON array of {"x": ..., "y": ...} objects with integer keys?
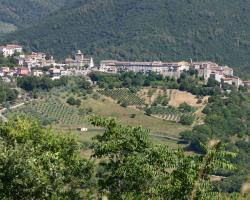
[
  {"x": 35, "y": 60},
  {"x": 66, "y": 73},
  {"x": 82, "y": 129},
  {"x": 204, "y": 69},
  {"x": 173, "y": 69},
  {"x": 37, "y": 73},
  {"x": 10, "y": 49},
  {"x": 222, "y": 74},
  {"x": 4, "y": 71}
]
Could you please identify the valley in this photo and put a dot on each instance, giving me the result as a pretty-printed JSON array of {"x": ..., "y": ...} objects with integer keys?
[{"x": 124, "y": 99}]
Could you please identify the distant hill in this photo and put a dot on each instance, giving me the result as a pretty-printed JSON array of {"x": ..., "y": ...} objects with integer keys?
[
  {"x": 20, "y": 13},
  {"x": 217, "y": 30}
]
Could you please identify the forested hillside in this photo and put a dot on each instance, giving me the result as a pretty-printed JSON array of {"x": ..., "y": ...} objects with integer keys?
[
  {"x": 149, "y": 30},
  {"x": 23, "y": 12}
]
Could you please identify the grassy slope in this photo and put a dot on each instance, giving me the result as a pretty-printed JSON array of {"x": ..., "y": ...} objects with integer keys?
[
  {"x": 157, "y": 126},
  {"x": 108, "y": 108},
  {"x": 147, "y": 30}
]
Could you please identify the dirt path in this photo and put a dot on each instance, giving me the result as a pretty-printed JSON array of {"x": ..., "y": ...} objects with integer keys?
[{"x": 5, "y": 119}]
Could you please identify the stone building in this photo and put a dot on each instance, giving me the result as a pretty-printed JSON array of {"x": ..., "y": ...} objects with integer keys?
[
  {"x": 173, "y": 70},
  {"x": 79, "y": 61}
]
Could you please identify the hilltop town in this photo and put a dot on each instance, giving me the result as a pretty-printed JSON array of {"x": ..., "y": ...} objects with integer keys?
[
  {"x": 40, "y": 64},
  {"x": 124, "y": 99}
]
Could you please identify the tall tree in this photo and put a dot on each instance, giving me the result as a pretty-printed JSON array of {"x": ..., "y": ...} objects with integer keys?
[
  {"x": 37, "y": 163},
  {"x": 134, "y": 168}
]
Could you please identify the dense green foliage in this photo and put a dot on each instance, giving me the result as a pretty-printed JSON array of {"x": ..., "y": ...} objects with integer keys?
[
  {"x": 37, "y": 163},
  {"x": 144, "y": 30},
  {"x": 24, "y": 12},
  {"x": 134, "y": 168},
  {"x": 73, "y": 102},
  {"x": 32, "y": 84},
  {"x": 227, "y": 119},
  {"x": 9, "y": 61},
  {"x": 187, "y": 119},
  {"x": 185, "y": 108},
  {"x": 128, "y": 80},
  {"x": 187, "y": 82},
  {"x": 7, "y": 93}
]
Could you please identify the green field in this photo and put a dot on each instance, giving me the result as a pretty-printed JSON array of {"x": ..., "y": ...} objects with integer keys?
[{"x": 107, "y": 108}]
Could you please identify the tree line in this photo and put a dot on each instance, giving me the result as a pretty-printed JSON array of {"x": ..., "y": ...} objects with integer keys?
[{"x": 188, "y": 81}]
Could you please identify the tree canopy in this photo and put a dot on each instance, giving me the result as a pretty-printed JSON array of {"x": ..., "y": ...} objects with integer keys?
[
  {"x": 37, "y": 163},
  {"x": 134, "y": 168}
]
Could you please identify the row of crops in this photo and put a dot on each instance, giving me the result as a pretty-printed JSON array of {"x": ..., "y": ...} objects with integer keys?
[
  {"x": 164, "y": 110},
  {"x": 167, "y": 113},
  {"x": 173, "y": 117},
  {"x": 51, "y": 110},
  {"x": 123, "y": 95}
]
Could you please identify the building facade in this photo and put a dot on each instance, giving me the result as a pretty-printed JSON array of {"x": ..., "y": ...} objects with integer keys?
[
  {"x": 172, "y": 70},
  {"x": 79, "y": 61},
  {"x": 204, "y": 69},
  {"x": 10, "y": 49},
  {"x": 35, "y": 60}
]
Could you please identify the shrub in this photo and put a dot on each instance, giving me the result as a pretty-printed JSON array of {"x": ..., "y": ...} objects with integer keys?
[
  {"x": 185, "y": 108},
  {"x": 132, "y": 116},
  {"x": 124, "y": 104},
  {"x": 96, "y": 96},
  {"x": 74, "y": 102},
  {"x": 148, "y": 112},
  {"x": 187, "y": 119},
  {"x": 199, "y": 101}
]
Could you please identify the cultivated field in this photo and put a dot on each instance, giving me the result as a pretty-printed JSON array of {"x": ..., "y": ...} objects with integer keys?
[
  {"x": 107, "y": 108},
  {"x": 149, "y": 95},
  {"x": 52, "y": 110},
  {"x": 67, "y": 118},
  {"x": 122, "y": 95}
]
